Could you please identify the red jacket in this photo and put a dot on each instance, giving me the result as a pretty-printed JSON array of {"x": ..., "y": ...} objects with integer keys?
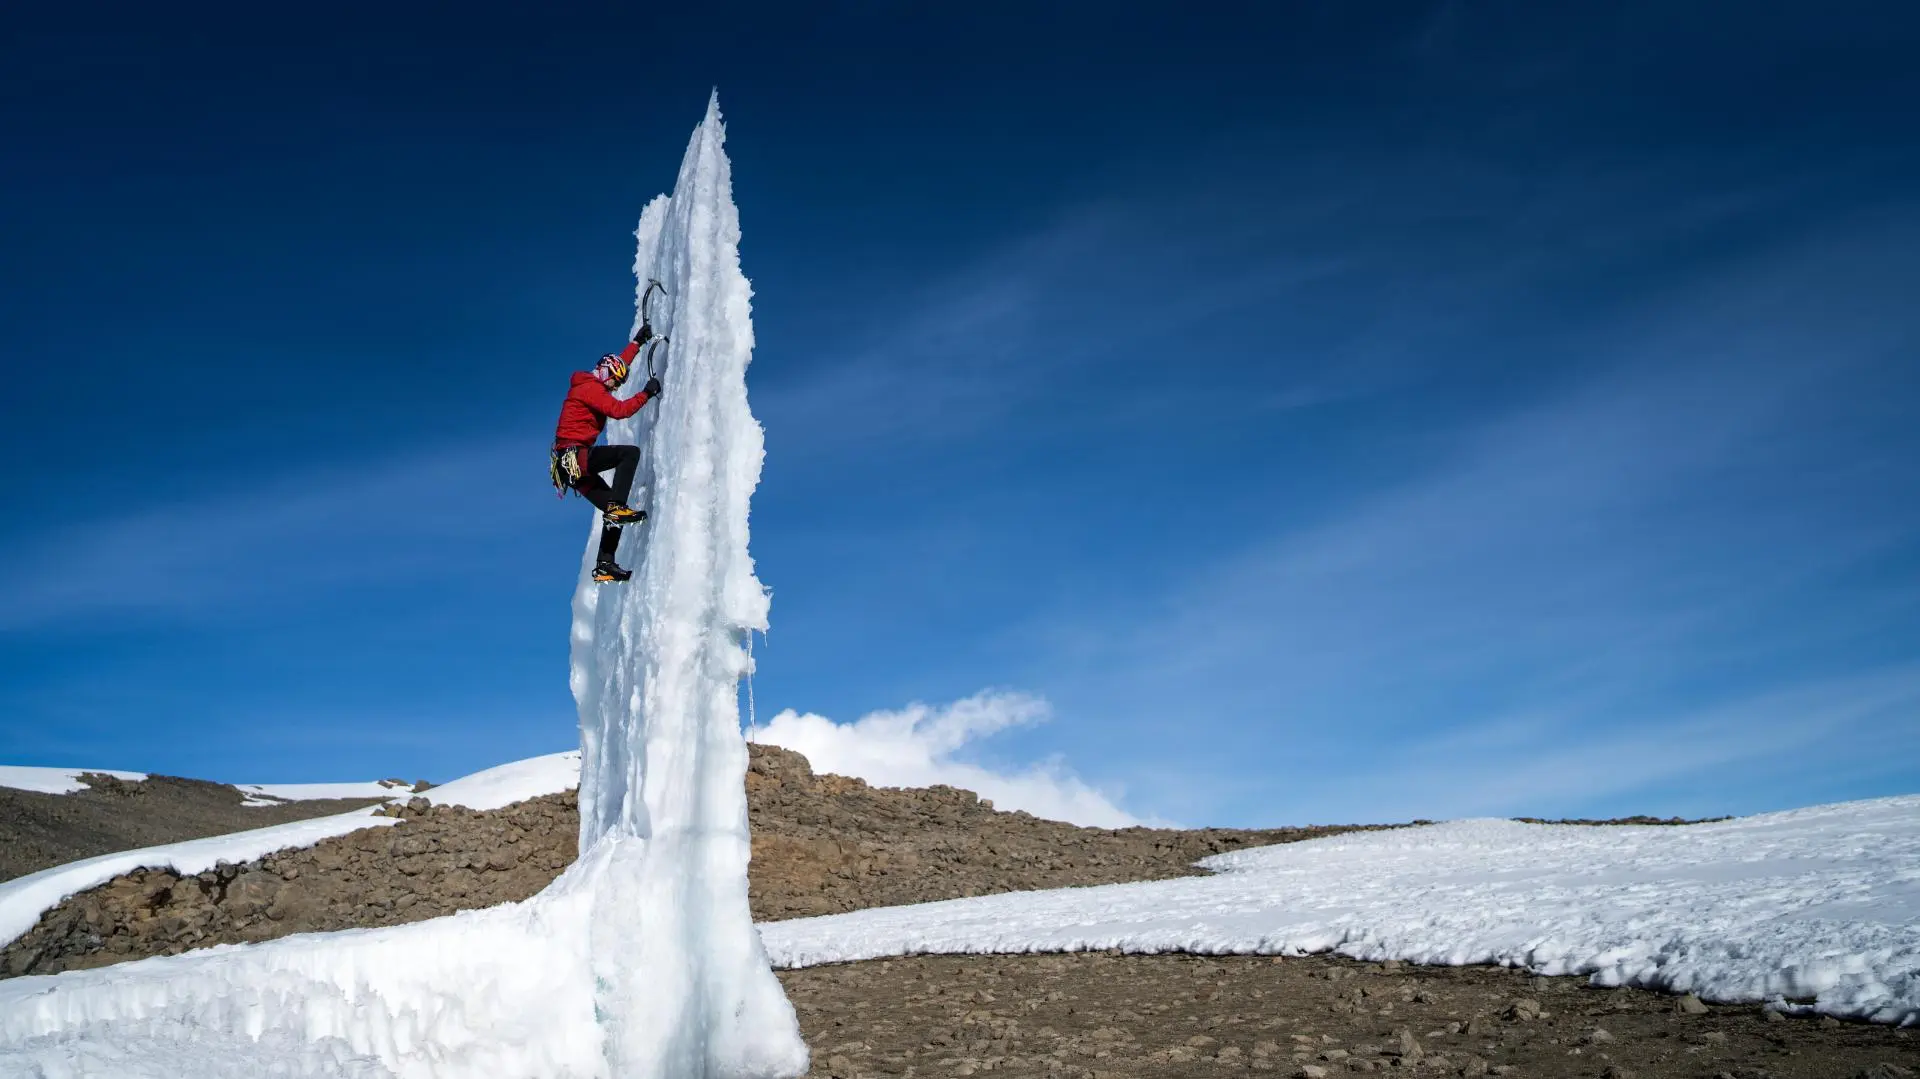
[{"x": 588, "y": 406}]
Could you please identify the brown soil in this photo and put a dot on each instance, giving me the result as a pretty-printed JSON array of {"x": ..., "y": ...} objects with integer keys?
[
  {"x": 45, "y": 830},
  {"x": 1104, "y": 1016}
]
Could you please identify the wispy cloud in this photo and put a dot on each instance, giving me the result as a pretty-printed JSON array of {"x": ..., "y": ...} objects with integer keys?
[
  {"x": 1579, "y": 759},
  {"x": 920, "y": 746},
  {"x": 284, "y": 535},
  {"x": 1663, "y": 537}
]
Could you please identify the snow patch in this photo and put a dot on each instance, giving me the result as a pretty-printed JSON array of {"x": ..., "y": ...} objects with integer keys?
[
  {"x": 509, "y": 783},
  {"x": 1821, "y": 902},
  {"x": 273, "y": 794},
  {"x": 56, "y": 780}
]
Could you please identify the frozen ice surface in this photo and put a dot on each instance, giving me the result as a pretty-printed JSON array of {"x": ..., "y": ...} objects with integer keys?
[
  {"x": 641, "y": 961},
  {"x": 23, "y": 777},
  {"x": 682, "y": 983},
  {"x": 1821, "y": 902}
]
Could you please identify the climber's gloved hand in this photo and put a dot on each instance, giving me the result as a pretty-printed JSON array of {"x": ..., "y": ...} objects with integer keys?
[{"x": 651, "y": 389}]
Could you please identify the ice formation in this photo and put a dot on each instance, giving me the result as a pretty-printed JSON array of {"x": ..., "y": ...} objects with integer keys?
[
  {"x": 641, "y": 961},
  {"x": 682, "y": 981}
]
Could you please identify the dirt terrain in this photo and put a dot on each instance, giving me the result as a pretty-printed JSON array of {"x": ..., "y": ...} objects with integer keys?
[
  {"x": 1105, "y": 1016},
  {"x": 44, "y": 830}
]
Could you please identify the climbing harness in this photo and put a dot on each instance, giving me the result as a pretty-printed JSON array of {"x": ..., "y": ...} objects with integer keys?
[{"x": 564, "y": 467}]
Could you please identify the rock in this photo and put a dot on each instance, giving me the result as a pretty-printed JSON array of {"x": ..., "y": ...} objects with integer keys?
[
  {"x": 1772, "y": 1016},
  {"x": 1690, "y": 1005},
  {"x": 1311, "y": 1071},
  {"x": 1524, "y": 1010},
  {"x": 1406, "y": 1046}
]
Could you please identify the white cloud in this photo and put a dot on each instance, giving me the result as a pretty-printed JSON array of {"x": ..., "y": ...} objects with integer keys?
[{"x": 915, "y": 747}]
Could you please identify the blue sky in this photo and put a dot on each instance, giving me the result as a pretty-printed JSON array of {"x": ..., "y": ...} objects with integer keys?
[{"x": 1329, "y": 414}]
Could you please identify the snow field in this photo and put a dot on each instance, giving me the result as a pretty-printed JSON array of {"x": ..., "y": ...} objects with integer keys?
[{"x": 1819, "y": 904}]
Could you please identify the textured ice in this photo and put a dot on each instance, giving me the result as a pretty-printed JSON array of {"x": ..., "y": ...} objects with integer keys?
[
  {"x": 1815, "y": 903},
  {"x": 641, "y": 961}
]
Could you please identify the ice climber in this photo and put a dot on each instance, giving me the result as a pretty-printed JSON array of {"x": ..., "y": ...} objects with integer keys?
[{"x": 577, "y": 462}]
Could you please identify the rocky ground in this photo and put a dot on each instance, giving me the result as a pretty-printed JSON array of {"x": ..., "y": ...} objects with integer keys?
[
  {"x": 1104, "y": 1016},
  {"x": 826, "y": 843},
  {"x": 45, "y": 830}
]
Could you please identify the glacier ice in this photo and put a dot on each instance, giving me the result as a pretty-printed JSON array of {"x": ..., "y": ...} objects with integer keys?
[{"x": 641, "y": 961}]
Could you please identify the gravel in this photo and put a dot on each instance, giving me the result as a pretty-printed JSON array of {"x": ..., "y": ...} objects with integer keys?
[{"x": 1108, "y": 1016}]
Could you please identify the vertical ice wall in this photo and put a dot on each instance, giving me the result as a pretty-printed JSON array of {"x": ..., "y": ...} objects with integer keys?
[{"x": 682, "y": 986}]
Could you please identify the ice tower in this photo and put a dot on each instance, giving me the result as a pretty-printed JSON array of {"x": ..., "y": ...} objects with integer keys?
[{"x": 682, "y": 984}]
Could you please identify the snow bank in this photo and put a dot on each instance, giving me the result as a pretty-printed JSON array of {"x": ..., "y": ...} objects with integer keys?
[
  {"x": 55, "y": 780},
  {"x": 641, "y": 961},
  {"x": 1821, "y": 902},
  {"x": 510, "y": 783},
  {"x": 502, "y": 992},
  {"x": 24, "y": 899}
]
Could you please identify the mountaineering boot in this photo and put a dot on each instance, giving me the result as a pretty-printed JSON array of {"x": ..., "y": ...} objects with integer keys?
[
  {"x": 618, "y": 514},
  {"x": 608, "y": 573}
]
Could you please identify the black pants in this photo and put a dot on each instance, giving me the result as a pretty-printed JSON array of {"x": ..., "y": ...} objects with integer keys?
[{"x": 623, "y": 460}]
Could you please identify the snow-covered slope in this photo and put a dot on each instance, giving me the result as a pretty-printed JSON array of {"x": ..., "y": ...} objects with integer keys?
[
  {"x": 640, "y": 961},
  {"x": 1821, "y": 902},
  {"x": 506, "y": 784},
  {"x": 23, "y": 777}
]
